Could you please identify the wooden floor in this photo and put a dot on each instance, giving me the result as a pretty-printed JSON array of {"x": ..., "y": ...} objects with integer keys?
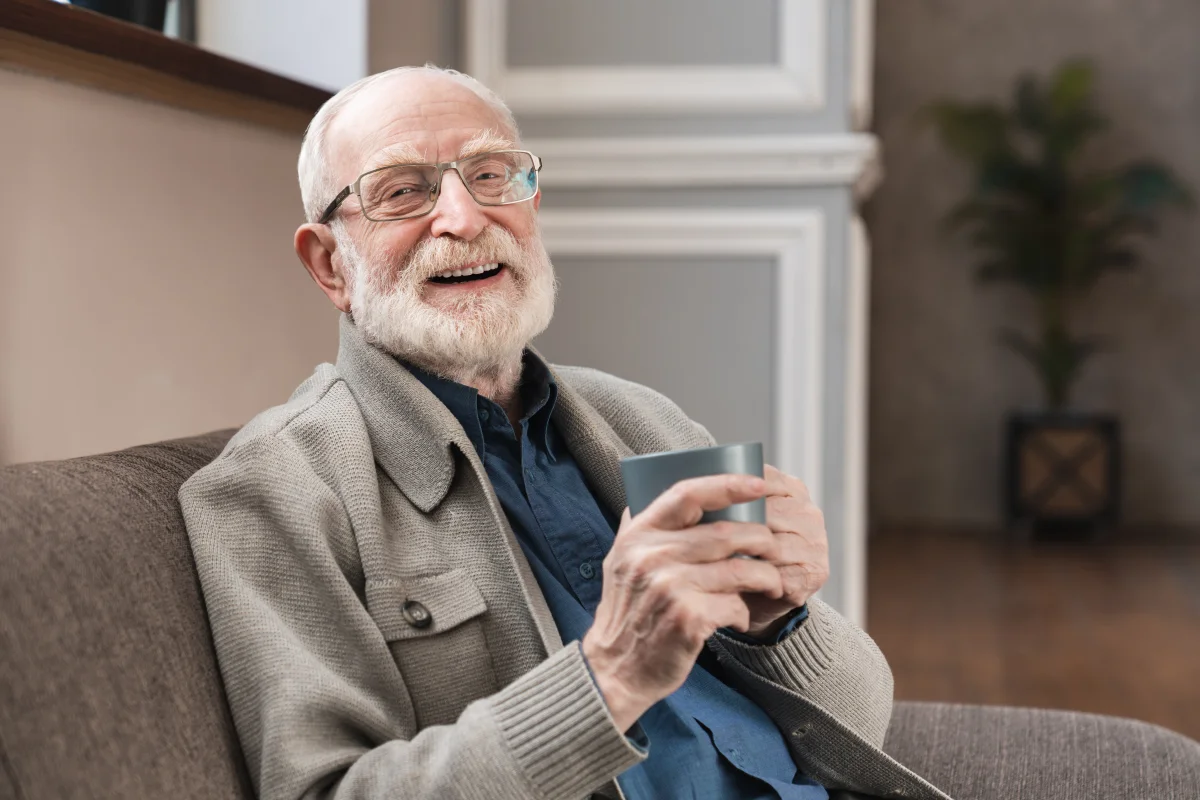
[{"x": 1112, "y": 628}]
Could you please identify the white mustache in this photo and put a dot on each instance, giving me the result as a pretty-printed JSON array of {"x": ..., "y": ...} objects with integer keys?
[{"x": 436, "y": 255}]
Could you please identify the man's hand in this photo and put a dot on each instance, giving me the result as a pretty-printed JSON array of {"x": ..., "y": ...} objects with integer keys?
[
  {"x": 803, "y": 562},
  {"x": 669, "y": 584}
]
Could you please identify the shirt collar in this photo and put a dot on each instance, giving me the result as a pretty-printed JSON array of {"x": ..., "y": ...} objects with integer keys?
[
  {"x": 413, "y": 434},
  {"x": 538, "y": 389}
]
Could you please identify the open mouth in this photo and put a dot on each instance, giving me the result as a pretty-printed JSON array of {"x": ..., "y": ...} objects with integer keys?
[{"x": 478, "y": 273}]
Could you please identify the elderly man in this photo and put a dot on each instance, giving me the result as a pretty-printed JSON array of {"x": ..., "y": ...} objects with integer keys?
[{"x": 393, "y": 559}]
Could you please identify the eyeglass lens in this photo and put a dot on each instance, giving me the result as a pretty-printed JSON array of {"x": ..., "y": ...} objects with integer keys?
[{"x": 407, "y": 190}]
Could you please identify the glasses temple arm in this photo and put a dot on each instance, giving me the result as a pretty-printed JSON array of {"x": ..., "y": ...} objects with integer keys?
[{"x": 332, "y": 207}]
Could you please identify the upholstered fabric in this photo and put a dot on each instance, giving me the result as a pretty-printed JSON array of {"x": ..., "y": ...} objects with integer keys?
[
  {"x": 991, "y": 753},
  {"x": 108, "y": 682}
]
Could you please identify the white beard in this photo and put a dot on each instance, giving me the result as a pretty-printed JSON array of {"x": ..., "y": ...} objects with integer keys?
[{"x": 480, "y": 336}]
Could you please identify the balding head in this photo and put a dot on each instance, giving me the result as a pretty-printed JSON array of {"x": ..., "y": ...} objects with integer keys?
[
  {"x": 460, "y": 288},
  {"x": 354, "y": 119}
]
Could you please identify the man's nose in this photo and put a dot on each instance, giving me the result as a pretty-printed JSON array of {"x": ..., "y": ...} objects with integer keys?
[{"x": 456, "y": 213}]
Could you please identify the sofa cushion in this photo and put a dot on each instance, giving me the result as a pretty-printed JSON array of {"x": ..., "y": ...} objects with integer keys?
[
  {"x": 108, "y": 681},
  {"x": 997, "y": 753}
]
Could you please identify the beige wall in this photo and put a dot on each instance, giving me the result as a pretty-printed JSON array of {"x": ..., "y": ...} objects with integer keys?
[
  {"x": 939, "y": 385},
  {"x": 149, "y": 288}
]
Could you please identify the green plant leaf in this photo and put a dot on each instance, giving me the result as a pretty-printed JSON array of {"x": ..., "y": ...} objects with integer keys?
[
  {"x": 1008, "y": 174},
  {"x": 1067, "y": 135},
  {"x": 973, "y": 131},
  {"x": 1071, "y": 87},
  {"x": 1030, "y": 105},
  {"x": 1145, "y": 187},
  {"x": 1056, "y": 358}
]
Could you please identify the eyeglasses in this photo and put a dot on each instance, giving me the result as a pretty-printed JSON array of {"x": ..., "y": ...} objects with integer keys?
[{"x": 404, "y": 191}]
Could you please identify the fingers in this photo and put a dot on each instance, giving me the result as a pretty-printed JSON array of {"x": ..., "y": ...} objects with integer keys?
[
  {"x": 683, "y": 504},
  {"x": 702, "y": 615},
  {"x": 791, "y": 514},
  {"x": 802, "y": 581},
  {"x": 726, "y": 611},
  {"x": 783, "y": 485},
  {"x": 625, "y": 518},
  {"x": 733, "y": 576},
  {"x": 721, "y": 540},
  {"x": 801, "y": 525}
]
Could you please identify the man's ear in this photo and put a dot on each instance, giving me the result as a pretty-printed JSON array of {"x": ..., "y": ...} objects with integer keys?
[
  {"x": 537, "y": 199},
  {"x": 316, "y": 247}
]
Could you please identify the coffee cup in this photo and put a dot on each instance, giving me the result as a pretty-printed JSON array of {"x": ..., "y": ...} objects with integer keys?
[{"x": 648, "y": 476}]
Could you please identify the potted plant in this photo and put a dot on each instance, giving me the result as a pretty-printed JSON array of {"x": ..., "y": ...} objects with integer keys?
[{"x": 1045, "y": 222}]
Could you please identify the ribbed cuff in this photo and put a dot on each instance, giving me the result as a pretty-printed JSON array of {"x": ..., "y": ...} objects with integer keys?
[
  {"x": 797, "y": 660},
  {"x": 560, "y": 729},
  {"x": 796, "y": 618}
]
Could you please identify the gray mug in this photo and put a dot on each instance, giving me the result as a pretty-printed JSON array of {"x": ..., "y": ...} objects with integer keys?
[{"x": 648, "y": 476}]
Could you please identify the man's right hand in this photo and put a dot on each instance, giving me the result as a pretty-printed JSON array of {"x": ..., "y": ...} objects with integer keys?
[{"x": 669, "y": 584}]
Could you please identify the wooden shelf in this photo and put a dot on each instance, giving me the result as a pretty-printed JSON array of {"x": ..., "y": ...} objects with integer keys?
[{"x": 84, "y": 47}]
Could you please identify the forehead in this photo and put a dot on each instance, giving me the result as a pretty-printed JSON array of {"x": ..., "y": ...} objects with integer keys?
[{"x": 431, "y": 114}]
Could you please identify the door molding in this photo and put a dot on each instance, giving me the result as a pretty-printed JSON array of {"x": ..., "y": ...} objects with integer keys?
[
  {"x": 796, "y": 83},
  {"x": 795, "y": 239}
]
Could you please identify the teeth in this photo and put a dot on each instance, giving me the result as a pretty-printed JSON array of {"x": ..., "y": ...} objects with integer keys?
[{"x": 460, "y": 273}]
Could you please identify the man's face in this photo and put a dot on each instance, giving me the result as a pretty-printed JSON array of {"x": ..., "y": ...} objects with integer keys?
[{"x": 392, "y": 268}]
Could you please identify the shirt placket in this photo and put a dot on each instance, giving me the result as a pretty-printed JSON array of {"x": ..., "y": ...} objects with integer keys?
[{"x": 564, "y": 527}]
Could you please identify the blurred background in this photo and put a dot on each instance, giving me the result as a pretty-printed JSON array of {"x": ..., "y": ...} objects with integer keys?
[{"x": 939, "y": 257}]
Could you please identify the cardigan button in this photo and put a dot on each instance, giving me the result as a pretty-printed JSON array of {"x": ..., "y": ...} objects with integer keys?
[
  {"x": 802, "y": 731},
  {"x": 416, "y": 614}
]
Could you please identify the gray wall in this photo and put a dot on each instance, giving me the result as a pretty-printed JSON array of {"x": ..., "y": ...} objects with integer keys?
[
  {"x": 939, "y": 384},
  {"x": 658, "y": 321},
  {"x": 682, "y": 33}
]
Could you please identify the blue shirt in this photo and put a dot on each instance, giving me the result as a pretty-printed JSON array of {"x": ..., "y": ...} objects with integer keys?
[{"x": 707, "y": 740}]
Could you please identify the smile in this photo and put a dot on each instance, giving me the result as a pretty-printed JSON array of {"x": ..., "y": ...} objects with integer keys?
[{"x": 481, "y": 272}]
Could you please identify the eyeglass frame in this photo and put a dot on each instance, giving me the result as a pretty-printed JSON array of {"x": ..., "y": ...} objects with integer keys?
[{"x": 435, "y": 191}]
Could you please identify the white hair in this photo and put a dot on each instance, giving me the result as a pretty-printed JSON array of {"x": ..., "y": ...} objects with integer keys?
[{"x": 318, "y": 185}]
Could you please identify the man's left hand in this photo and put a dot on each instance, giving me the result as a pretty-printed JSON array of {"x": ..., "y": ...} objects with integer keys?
[{"x": 799, "y": 526}]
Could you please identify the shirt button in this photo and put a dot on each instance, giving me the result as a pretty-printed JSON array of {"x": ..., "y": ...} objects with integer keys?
[
  {"x": 416, "y": 614},
  {"x": 587, "y": 570},
  {"x": 484, "y": 414}
]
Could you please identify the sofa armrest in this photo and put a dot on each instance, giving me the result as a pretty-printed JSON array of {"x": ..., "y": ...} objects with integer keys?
[{"x": 989, "y": 753}]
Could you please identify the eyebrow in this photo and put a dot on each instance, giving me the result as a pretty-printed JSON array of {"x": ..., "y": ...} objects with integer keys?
[
  {"x": 485, "y": 141},
  {"x": 399, "y": 153},
  {"x": 406, "y": 153}
]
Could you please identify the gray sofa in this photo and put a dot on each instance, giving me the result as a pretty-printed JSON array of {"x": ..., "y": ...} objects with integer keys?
[{"x": 109, "y": 687}]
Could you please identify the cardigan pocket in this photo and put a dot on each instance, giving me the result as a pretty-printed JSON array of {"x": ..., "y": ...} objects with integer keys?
[{"x": 433, "y": 627}]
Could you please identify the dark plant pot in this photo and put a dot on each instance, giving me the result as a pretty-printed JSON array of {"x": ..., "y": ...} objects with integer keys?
[
  {"x": 1062, "y": 473},
  {"x": 150, "y": 13}
]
